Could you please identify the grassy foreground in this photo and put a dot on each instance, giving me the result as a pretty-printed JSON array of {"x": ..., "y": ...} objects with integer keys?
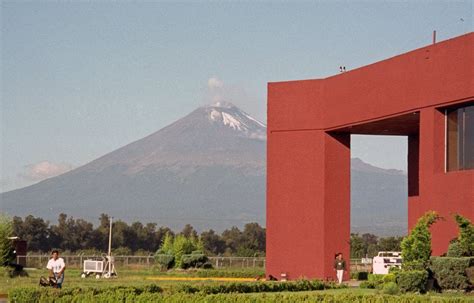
[{"x": 143, "y": 286}]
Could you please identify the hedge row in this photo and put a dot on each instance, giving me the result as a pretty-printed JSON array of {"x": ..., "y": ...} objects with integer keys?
[
  {"x": 252, "y": 287},
  {"x": 452, "y": 273},
  {"x": 126, "y": 297},
  {"x": 36, "y": 294},
  {"x": 444, "y": 274},
  {"x": 412, "y": 280}
]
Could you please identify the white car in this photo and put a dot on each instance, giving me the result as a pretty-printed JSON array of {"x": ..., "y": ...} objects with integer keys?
[{"x": 384, "y": 260}]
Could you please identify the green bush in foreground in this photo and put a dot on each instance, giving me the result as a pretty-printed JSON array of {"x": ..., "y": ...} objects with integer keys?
[
  {"x": 455, "y": 250},
  {"x": 465, "y": 239},
  {"x": 119, "y": 293},
  {"x": 252, "y": 287},
  {"x": 416, "y": 247},
  {"x": 451, "y": 273},
  {"x": 412, "y": 281},
  {"x": 374, "y": 282},
  {"x": 390, "y": 288},
  {"x": 126, "y": 297},
  {"x": 6, "y": 229},
  {"x": 359, "y": 275}
]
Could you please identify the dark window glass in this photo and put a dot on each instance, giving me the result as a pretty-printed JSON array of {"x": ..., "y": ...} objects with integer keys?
[
  {"x": 469, "y": 137},
  {"x": 460, "y": 138}
]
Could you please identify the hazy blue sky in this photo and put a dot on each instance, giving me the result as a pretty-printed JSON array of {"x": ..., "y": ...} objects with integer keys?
[{"x": 80, "y": 79}]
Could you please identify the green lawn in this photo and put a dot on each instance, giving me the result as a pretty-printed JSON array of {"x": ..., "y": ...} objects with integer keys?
[
  {"x": 126, "y": 277},
  {"x": 137, "y": 278}
]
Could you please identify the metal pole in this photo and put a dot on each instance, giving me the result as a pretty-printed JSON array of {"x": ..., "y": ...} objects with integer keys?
[
  {"x": 110, "y": 244},
  {"x": 434, "y": 37}
]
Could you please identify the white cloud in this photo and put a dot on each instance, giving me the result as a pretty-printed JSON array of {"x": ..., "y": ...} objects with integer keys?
[
  {"x": 44, "y": 170},
  {"x": 215, "y": 83}
]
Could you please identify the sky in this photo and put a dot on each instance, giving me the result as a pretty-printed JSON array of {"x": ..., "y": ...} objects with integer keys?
[{"x": 81, "y": 79}]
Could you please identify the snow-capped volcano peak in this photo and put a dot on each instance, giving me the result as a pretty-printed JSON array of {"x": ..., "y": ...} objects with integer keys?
[{"x": 228, "y": 115}]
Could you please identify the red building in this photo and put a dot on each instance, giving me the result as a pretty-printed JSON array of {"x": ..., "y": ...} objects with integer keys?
[{"x": 426, "y": 94}]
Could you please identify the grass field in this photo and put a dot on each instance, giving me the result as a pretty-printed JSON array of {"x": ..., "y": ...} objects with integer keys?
[
  {"x": 170, "y": 280},
  {"x": 133, "y": 277}
]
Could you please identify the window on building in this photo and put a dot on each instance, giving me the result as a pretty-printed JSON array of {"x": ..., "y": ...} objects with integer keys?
[{"x": 460, "y": 138}]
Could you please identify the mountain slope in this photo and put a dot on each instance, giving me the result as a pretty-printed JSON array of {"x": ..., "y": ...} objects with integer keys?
[{"x": 207, "y": 169}]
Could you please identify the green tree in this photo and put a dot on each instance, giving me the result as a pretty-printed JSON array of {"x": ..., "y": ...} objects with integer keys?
[
  {"x": 167, "y": 247},
  {"x": 465, "y": 239},
  {"x": 212, "y": 242},
  {"x": 390, "y": 243},
  {"x": 182, "y": 246},
  {"x": 357, "y": 246},
  {"x": 71, "y": 234},
  {"x": 416, "y": 247},
  {"x": 189, "y": 231},
  {"x": 6, "y": 229},
  {"x": 233, "y": 239},
  {"x": 253, "y": 241},
  {"x": 35, "y": 231}
]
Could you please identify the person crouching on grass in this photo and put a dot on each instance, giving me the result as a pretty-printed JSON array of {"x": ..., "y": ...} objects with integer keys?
[
  {"x": 339, "y": 267},
  {"x": 56, "y": 267}
]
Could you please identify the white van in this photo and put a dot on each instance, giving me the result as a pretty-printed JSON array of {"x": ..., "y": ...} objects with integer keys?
[{"x": 384, "y": 260}]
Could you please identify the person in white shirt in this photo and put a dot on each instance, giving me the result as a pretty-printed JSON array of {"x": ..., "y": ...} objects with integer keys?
[{"x": 56, "y": 267}]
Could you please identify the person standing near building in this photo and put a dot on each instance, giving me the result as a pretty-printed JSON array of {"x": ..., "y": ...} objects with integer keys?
[
  {"x": 339, "y": 267},
  {"x": 56, "y": 267}
]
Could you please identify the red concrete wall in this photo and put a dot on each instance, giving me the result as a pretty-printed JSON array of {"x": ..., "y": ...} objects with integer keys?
[{"x": 308, "y": 171}]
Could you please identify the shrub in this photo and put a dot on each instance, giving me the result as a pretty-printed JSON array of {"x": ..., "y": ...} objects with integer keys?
[
  {"x": 373, "y": 282},
  {"x": 252, "y": 287},
  {"x": 23, "y": 294},
  {"x": 369, "y": 284},
  {"x": 394, "y": 269},
  {"x": 470, "y": 274},
  {"x": 6, "y": 229},
  {"x": 390, "y": 288},
  {"x": 451, "y": 273},
  {"x": 455, "y": 250},
  {"x": 154, "y": 294},
  {"x": 415, "y": 265},
  {"x": 465, "y": 239},
  {"x": 360, "y": 276},
  {"x": 417, "y": 245},
  {"x": 108, "y": 294},
  {"x": 376, "y": 278},
  {"x": 389, "y": 278},
  {"x": 165, "y": 261},
  {"x": 178, "y": 247},
  {"x": 195, "y": 260},
  {"x": 182, "y": 246},
  {"x": 412, "y": 280}
]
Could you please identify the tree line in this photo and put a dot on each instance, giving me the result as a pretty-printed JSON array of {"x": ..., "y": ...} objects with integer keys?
[
  {"x": 78, "y": 235},
  {"x": 368, "y": 245}
]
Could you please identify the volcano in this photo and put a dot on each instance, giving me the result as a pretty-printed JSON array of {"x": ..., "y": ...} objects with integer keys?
[{"x": 206, "y": 169}]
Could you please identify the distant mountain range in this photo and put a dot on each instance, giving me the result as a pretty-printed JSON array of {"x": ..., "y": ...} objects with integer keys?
[{"x": 206, "y": 169}]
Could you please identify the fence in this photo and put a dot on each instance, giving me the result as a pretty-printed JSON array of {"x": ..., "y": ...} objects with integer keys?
[
  {"x": 144, "y": 262},
  {"x": 364, "y": 264},
  {"x": 76, "y": 261}
]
